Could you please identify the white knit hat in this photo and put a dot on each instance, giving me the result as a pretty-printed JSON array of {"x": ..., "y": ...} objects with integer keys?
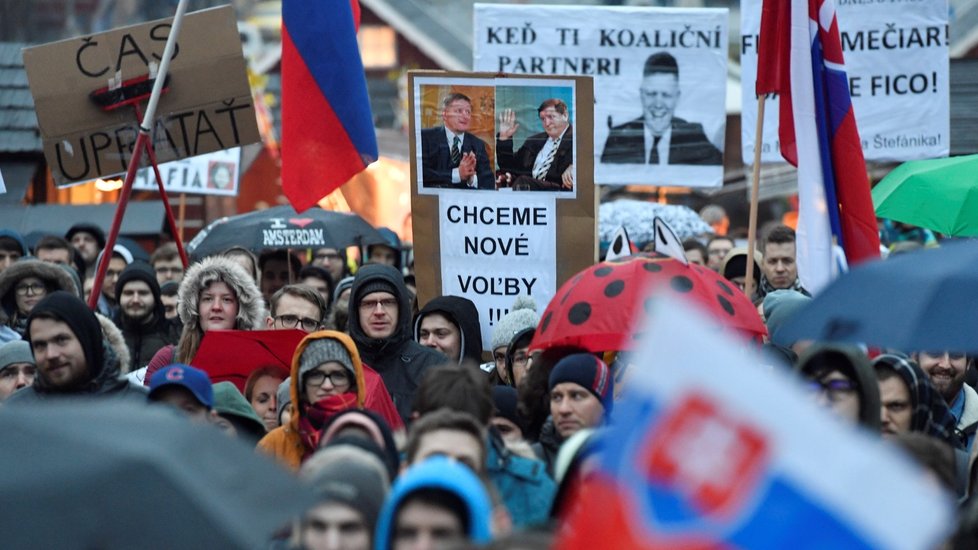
[{"x": 521, "y": 316}]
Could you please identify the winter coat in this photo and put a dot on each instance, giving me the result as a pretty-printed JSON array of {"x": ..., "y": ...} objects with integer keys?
[
  {"x": 144, "y": 339},
  {"x": 285, "y": 442},
  {"x": 548, "y": 445},
  {"x": 523, "y": 483},
  {"x": 399, "y": 360},
  {"x": 462, "y": 313},
  {"x": 105, "y": 376},
  {"x": 54, "y": 277},
  {"x": 251, "y": 305}
]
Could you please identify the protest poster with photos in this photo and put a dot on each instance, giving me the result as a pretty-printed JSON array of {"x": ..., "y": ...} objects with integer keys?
[{"x": 503, "y": 197}]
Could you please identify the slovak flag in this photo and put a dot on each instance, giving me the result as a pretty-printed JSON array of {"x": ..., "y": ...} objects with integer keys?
[
  {"x": 710, "y": 448},
  {"x": 327, "y": 128},
  {"x": 800, "y": 58}
]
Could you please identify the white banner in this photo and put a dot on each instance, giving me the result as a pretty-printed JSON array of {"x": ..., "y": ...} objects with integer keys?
[
  {"x": 497, "y": 246},
  {"x": 896, "y": 54},
  {"x": 216, "y": 173},
  {"x": 659, "y": 81}
]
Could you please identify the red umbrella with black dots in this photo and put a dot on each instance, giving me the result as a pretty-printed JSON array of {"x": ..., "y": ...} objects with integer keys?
[{"x": 601, "y": 308}]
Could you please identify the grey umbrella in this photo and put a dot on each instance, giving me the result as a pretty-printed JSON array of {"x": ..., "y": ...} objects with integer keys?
[{"x": 126, "y": 475}]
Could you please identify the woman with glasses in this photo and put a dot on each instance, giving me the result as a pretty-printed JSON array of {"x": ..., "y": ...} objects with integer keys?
[
  {"x": 326, "y": 378},
  {"x": 24, "y": 284}
]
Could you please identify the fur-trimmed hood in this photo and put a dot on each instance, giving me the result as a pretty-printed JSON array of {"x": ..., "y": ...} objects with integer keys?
[
  {"x": 113, "y": 336},
  {"x": 54, "y": 276},
  {"x": 251, "y": 305}
]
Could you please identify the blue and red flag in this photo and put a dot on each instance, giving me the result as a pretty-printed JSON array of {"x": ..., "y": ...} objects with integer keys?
[
  {"x": 800, "y": 58},
  {"x": 712, "y": 449},
  {"x": 327, "y": 128}
]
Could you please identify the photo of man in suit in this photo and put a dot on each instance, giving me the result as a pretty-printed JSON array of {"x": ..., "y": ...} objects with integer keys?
[
  {"x": 659, "y": 137},
  {"x": 545, "y": 161},
  {"x": 450, "y": 156}
]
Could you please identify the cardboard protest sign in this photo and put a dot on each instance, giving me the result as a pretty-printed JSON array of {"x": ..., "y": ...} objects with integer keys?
[
  {"x": 533, "y": 226},
  {"x": 659, "y": 78},
  {"x": 207, "y": 105},
  {"x": 896, "y": 56},
  {"x": 216, "y": 173}
]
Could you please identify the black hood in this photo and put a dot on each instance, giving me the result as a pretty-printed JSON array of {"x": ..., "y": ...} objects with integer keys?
[
  {"x": 141, "y": 271},
  {"x": 367, "y": 274},
  {"x": 463, "y": 313},
  {"x": 75, "y": 313}
]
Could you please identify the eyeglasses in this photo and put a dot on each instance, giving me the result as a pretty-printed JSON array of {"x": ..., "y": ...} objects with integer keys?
[
  {"x": 292, "y": 321},
  {"x": 520, "y": 359},
  {"x": 387, "y": 303},
  {"x": 338, "y": 379},
  {"x": 835, "y": 389},
  {"x": 169, "y": 270},
  {"x": 30, "y": 288},
  {"x": 327, "y": 256}
]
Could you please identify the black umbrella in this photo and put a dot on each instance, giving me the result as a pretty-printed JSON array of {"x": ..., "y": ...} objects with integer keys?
[
  {"x": 282, "y": 227},
  {"x": 114, "y": 474}
]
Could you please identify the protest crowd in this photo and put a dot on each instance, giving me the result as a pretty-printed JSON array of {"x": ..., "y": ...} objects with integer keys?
[
  {"x": 385, "y": 407},
  {"x": 683, "y": 381}
]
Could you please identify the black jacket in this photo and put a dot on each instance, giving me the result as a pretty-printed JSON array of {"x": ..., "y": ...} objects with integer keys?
[
  {"x": 521, "y": 162},
  {"x": 104, "y": 375},
  {"x": 400, "y": 361},
  {"x": 688, "y": 144},
  {"x": 463, "y": 313},
  {"x": 144, "y": 339}
]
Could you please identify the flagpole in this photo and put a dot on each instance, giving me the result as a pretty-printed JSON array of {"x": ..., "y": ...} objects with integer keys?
[
  {"x": 142, "y": 141},
  {"x": 755, "y": 191}
]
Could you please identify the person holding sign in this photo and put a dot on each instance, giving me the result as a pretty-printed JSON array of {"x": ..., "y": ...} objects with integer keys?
[
  {"x": 450, "y": 156},
  {"x": 545, "y": 161},
  {"x": 658, "y": 137}
]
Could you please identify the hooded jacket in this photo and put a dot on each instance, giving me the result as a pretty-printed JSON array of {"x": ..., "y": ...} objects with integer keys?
[
  {"x": 285, "y": 442},
  {"x": 251, "y": 305},
  {"x": 854, "y": 364},
  {"x": 445, "y": 474},
  {"x": 105, "y": 378},
  {"x": 144, "y": 339},
  {"x": 399, "y": 360},
  {"x": 462, "y": 313},
  {"x": 53, "y": 276},
  {"x": 11, "y": 234}
]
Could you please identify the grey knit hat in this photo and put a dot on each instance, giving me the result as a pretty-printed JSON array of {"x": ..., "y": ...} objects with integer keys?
[
  {"x": 17, "y": 351},
  {"x": 350, "y": 476},
  {"x": 283, "y": 396},
  {"x": 345, "y": 283},
  {"x": 322, "y": 351},
  {"x": 521, "y": 316}
]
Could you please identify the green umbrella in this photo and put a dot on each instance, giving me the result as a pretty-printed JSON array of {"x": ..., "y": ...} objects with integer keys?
[{"x": 938, "y": 194}]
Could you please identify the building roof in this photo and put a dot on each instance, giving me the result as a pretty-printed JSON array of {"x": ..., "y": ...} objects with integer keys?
[{"x": 18, "y": 123}]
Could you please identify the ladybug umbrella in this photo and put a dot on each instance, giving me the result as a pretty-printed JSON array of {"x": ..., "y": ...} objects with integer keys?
[
  {"x": 599, "y": 308},
  {"x": 233, "y": 355}
]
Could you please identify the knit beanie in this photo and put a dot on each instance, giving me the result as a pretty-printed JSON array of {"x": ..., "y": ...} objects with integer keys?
[
  {"x": 90, "y": 228},
  {"x": 324, "y": 350},
  {"x": 351, "y": 480},
  {"x": 586, "y": 371},
  {"x": 376, "y": 285},
  {"x": 344, "y": 284},
  {"x": 71, "y": 310},
  {"x": 284, "y": 395},
  {"x": 17, "y": 351},
  {"x": 505, "y": 400},
  {"x": 521, "y": 316}
]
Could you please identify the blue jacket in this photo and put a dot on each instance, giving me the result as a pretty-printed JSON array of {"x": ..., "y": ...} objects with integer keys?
[
  {"x": 438, "y": 472},
  {"x": 523, "y": 484}
]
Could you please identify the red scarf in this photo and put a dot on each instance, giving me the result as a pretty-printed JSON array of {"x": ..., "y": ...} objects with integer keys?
[{"x": 316, "y": 415}]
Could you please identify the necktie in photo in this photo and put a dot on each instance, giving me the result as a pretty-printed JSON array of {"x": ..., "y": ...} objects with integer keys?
[
  {"x": 542, "y": 171},
  {"x": 456, "y": 151},
  {"x": 654, "y": 153}
]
